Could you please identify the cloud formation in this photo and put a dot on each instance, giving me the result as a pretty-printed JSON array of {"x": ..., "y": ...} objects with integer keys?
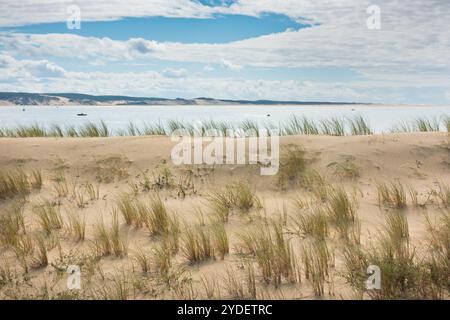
[{"x": 412, "y": 50}]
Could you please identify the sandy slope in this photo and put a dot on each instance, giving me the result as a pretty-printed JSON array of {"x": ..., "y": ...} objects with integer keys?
[{"x": 420, "y": 160}]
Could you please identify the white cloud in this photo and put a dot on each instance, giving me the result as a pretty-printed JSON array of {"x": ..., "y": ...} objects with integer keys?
[
  {"x": 230, "y": 65},
  {"x": 43, "y": 11},
  {"x": 412, "y": 50},
  {"x": 413, "y": 37},
  {"x": 142, "y": 46},
  {"x": 42, "y": 76},
  {"x": 175, "y": 73},
  {"x": 12, "y": 68}
]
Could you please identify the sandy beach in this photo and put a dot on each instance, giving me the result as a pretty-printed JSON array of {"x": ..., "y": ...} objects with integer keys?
[{"x": 172, "y": 233}]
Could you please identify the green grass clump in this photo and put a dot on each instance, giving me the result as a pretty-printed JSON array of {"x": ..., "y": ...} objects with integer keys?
[
  {"x": 197, "y": 244},
  {"x": 426, "y": 125},
  {"x": 392, "y": 195},
  {"x": 91, "y": 129},
  {"x": 311, "y": 222},
  {"x": 447, "y": 123},
  {"x": 77, "y": 226},
  {"x": 242, "y": 197},
  {"x": 341, "y": 210},
  {"x": 443, "y": 194},
  {"x": 402, "y": 272},
  {"x": 293, "y": 166},
  {"x": 110, "y": 241},
  {"x": 359, "y": 126},
  {"x": 14, "y": 183},
  {"x": 159, "y": 221},
  {"x": 34, "y": 130},
  {"x": 317, "y": 261},
  {"x": 300, "y": 125},
  {"x": 347, "y": 169},
  {"x": 332, "y": 127},
  {"x": 237, "y": 196},
  {"x": 49, "y": 216},
  {"x": 273, "y": 253},
  {"x": 220, "y": 240},
  {"x": 12, "y": 224}
]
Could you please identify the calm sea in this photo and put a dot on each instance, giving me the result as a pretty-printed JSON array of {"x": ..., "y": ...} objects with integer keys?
[{"x": 381, "y": 118}]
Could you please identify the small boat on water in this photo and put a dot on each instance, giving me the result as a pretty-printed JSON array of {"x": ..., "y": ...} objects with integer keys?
[{"x": 82, "y": 114}]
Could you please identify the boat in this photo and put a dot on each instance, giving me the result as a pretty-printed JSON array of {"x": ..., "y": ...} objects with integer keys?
[{"x": 81, "y": 114}]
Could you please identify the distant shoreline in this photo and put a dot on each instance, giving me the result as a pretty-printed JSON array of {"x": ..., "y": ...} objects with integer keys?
[{"x": 76, "y": 99}]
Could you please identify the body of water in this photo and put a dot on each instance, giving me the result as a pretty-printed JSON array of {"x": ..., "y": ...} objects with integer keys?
[{"x": 381, "y": 118}]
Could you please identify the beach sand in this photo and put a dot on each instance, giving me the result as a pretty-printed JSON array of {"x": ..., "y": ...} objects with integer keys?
[{"x": 140, "y": 165}]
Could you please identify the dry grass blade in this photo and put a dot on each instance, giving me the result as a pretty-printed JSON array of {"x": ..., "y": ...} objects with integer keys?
[
  {"x": 49, "y": 217},
  {"x": 220, "y": 239},
  {"x": 392, "y": 195}
]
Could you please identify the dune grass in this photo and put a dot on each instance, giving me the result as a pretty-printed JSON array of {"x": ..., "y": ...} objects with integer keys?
[
  {"x": 36, "y": 179},
  {"x": 437, "y": 260},
  {"x": 423, "y": 124},
  {"x": 341, "y": 210},
  {"x": 129, "y": 207},
  {"x": 24, "y": 249},
  {"x": 234, "y": 284},
  {"x": 311, "y": 222},
  {"x": 404, "y": 273},
  {"x": 12, "y": 224},
  {"x": 427, "y": 125},
  {"x": 49, "y": 216},
  {"x": 220, "y": 203},
  {"x": 91, "y": 129},
  {"x": 61, "y": 188},
  {"x": 40, "y": 260},
  {"x": 392, "y": 195},
  {"x": 295, "y": 125},
  {"x": 443, "y": 194},
  {"x": 210, "y": 287},
  {"x": 220, "y": 240},
  {"x": 317, "y": 261},
  {"x": 235, "y": 196},
  {"x": 293, "y": 165},
  {"x": 347, "y": 170},
  {"x": 197, "y": 244},
  {"x": 161, "y": 261},
  {"x": 159, "y": 221},
  {"x": 141, "y": 257},
  {"x": 14, "y": 183},
  {"x": 273, "y": 253},
  {"x": 359, "y": 126},
  {"x": 242, "y": 197},
  {"x": 401, "y": 270},
  {"x": 110, "y": 241},
  {"x": 333, "y": 127},
  {"x": 77, "y": 226},
  {"x": 447, "y": 123}
]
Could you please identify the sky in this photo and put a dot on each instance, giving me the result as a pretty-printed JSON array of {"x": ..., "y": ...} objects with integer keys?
[{"x": 306, "y": 50}]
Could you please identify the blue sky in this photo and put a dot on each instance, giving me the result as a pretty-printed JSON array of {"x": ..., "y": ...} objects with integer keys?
[
  {"x": 233, "y": 49},
  {"x": 220, "y": 28}
]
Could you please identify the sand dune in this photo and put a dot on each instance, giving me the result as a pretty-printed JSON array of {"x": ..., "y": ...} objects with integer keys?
[{"x": 73, "y": 168}]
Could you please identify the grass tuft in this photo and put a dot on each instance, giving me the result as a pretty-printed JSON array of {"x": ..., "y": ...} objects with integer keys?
[
  {"x": 197, "y": 245},
  {"x": 392, "y": 195},
  {"x": 49, "y": 217},
  {"x": 14, "y": 183},
  {"x": 341, "y": 210}
]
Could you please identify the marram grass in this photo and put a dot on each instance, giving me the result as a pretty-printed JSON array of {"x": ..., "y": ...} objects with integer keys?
[{"x": 295, "y": 125}]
